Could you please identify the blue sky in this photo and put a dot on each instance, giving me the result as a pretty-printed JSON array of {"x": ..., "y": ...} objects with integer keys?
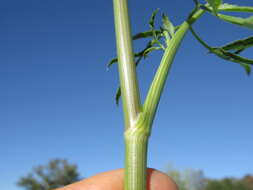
[{"x": 57, "y": 98}]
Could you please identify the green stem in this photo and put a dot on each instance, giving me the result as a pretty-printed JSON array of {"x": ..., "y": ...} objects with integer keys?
[
  {"x": 135, "y": 138},
  {"x": 246, "y": 9},
  {"x": 155, "y": 91},
  {"x": 137, "y": 121},
  {"x": 200, "y": 40},
  {"x": 156, "y": 88},
  {"x": 135, "y": 173},
  {"x": 126, "y": 64},
  {"x": 136, "y": 143}
]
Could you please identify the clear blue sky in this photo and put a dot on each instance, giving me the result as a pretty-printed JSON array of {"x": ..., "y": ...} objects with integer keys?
[{"x": 57, "y": 98}]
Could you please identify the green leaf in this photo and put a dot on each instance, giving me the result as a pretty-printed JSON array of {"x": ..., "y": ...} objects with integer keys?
[
  {"x": 196, "y": 2},
  {"x": 239, "y": 45},
  {"x": 214, "y": 4},
  {"x": 220, "y": 52},
  {"x": 146, "y": 34},
  {"x": 244, "y": 62},
  {"x": 138, "y": 54},
  {"x": 245, "y": 22},
  {"x": 166, "y": 35},
  {"x": 235, "y": 8},
  {"x": 114, "y": 60},
  {"x": 232, "y": 57},
  {"x": 117, "y": 97},
  {"x": 152, "y": 19},
  {"x": 167, "y": 25},
  {"x": 246, "y": 67},
  {"x": 147, "y": 51}
]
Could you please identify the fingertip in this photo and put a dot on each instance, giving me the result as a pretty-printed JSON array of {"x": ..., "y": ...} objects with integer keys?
[
  {"x": 158, "y": 180},
  {"x": 114, "y": 180}
]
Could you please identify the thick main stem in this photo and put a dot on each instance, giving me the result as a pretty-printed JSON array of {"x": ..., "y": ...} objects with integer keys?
[
  {"x": 135, "y": 174},
  {"x": 136, "y": 143}
]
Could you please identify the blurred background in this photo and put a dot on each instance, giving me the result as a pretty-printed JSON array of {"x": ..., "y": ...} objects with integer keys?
[{"x": 58, "y": 115}]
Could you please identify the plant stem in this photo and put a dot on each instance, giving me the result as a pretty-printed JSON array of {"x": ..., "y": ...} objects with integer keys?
[
  {"x": 156, "y": 88},
  {"x": 136, "y": 141},
  {"x": 126, "y": 64},
  {"x": 136, "y": 162},
  {"x": 136, "y": 138},
  {"x": 138, "y": 121}
]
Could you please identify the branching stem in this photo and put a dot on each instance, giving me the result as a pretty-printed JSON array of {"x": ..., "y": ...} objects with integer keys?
[{"x": 138, "y": 120}]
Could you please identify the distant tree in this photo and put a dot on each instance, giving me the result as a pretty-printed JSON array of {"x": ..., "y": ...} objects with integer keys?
[
  {"x": 188, "y": 179},
  {"x": 227, "y": 184},
  {"x": 248, "y": 179},
  {"x": 56, "y": 173}
]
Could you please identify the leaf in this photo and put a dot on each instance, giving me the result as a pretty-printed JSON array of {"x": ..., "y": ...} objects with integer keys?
[
  {"x": 152, "y": 19},
  {"x": 239, "y": 51},
  {"x": 246, "y": 22},
  {"x": 235, "y": 8},
  {"x": 117, "y": 97},
  {"x": 214, "y": 4},
  {"x": 146, "y": 34},
  {"x": 239, "y": 45},
  {"x": 139, "y": 54},
  {"x": 231, "y": 56},
  {"x": 167, "y": 25},
  {"x": 244, "y": 62},
  {"x": 165, "y": 35},
  {"x": 147, "y": 51},
  {"x": 196, "y": 2},
  {"x": 246, "y": 67},
  {"x": 220, "y": 52},
  {"x": 114, "y": 60}
]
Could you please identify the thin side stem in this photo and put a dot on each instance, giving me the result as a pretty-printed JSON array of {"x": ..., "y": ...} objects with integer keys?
[
  {"x": 127, "y": 72},
  {"x": 200, "y": 40},
  {"x": 156, "y": 88},
  {"x": 246, "y": 9}
]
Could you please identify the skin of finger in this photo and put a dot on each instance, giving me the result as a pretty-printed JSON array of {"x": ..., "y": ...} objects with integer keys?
[{"x": 113, "y": 180}]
